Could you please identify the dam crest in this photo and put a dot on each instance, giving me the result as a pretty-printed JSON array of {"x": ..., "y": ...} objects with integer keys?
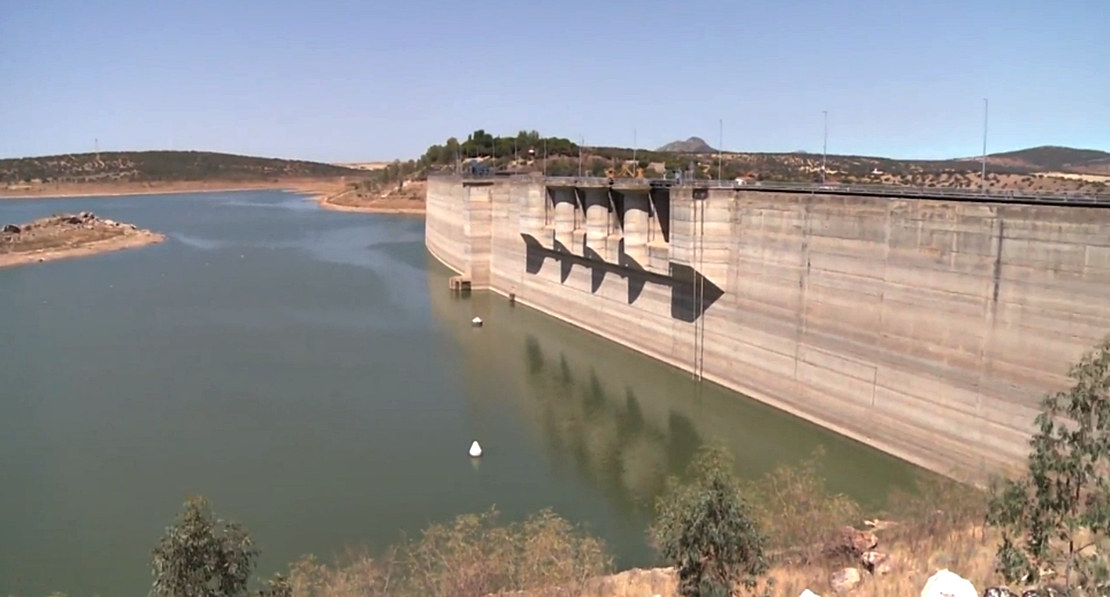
[{"x": 926, "y": 326}]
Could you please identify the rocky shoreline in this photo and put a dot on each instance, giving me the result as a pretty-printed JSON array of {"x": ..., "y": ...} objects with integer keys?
[{"x": 63, "y": 236}]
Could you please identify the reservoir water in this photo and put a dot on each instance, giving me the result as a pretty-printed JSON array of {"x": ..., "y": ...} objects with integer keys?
[{"x": 310, "y": 374}]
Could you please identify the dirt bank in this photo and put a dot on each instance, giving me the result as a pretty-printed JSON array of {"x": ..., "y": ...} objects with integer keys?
[
  {"x": 111, "y": 189},
  {"x": 68, "y": 235},
  {"x": 408, "y": 200},
  {"x": 334, "y": 194}
]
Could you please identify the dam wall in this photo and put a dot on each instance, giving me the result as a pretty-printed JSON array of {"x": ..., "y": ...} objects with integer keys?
[{"x": 927, "y": 328}]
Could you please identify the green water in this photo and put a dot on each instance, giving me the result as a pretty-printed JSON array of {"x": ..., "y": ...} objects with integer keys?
[{"x": 309, "y": 373}]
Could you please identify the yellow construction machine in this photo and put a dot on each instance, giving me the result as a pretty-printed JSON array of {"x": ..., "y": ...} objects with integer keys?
[{"x": 625, "y": 172}]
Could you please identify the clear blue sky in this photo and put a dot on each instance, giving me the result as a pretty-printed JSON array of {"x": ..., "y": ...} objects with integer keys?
[{"x": 364, "y": 80}]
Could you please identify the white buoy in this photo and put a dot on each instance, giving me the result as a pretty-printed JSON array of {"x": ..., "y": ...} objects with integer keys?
[
  {"x": 476, "y": 322},
  {"x": 475, "y": 450}
]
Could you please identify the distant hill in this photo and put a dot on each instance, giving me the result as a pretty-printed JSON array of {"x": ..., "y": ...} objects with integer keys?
[
  {"x": 691, "y": 145},
  {"x": 1049, "y": 158},
  {"x": 161, "y": 166}
]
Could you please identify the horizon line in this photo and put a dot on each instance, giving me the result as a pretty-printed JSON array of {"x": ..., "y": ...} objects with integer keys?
[{"x": 964, "y": 158}]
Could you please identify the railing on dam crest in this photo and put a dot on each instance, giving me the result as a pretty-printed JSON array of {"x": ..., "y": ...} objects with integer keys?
[{"x": 875, "y": 190}]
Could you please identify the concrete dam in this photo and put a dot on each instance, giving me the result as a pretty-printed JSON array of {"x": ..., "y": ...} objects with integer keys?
[{"x": 927, "y": 327}]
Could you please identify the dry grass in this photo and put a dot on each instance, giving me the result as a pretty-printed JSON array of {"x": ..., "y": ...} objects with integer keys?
[
  {"x": 473, "y": 556},
  {"x": 968, "y": 552},
  {"x": 937, "y": 525}
]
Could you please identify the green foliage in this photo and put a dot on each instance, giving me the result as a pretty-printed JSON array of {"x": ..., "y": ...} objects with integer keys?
[
  {"x": 1057, "y": 515},
  {"x": 200, "y": 556},
  {"x": 598, "y": 166},
  {"x": 562, "y": 167},
  {"x": 707, "y": 530}
]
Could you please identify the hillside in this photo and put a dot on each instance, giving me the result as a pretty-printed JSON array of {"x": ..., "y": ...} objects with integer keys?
[
  {"x": 160, "y": 167},
  {"x": 1048, "y": 158},
  {"x": 691, "y": 145},
  {"x": 1042, "y": 169}
]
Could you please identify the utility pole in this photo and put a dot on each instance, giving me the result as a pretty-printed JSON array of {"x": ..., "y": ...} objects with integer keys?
[
  {"x": 634, "y": 143},
  {"x": 545, "y": 156},
  {"x": 983, "y": 176},
  {"x": 581, "y": 142},
  {"x": 720, "y": 146},
  {"x": 825, "y": 147}
]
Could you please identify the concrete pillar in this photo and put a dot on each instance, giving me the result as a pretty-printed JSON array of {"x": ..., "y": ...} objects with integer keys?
[
  {"x": 565, "y": 205},
  {"x": 636, "y": 210},
  {"x": 597, "y": 219},
  {"x": 532, "y": 204}
]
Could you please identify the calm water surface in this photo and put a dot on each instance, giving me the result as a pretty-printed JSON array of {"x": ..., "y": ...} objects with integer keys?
[{"x": 309, "y": 373}]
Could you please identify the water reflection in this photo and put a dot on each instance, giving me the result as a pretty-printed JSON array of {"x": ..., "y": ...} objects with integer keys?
[
  {"x": 621, "y": 422},
  {"x": 599, "y": 436}
]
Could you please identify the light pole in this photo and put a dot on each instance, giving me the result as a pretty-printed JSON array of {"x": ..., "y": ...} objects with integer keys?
[
  {"x": 825, "y": 147},
  {"x": 720, "y": 146},
  {"x": 634, "y": 144},
  {"x": 983, "y": 175}
]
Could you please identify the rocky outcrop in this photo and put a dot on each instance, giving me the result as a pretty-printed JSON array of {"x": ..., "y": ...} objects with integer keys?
[
  {"x": 655, "y": 582},
  {"x": 68, "y": 235},
  {"x": 851, "y": 543},
  {"x": 636, "y": 583},
  {"x": 877, "y": 563},
  {"x": 844, "y": 580}
]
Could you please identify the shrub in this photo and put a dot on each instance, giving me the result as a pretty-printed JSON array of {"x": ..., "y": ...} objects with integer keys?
[
  {"x": 797, "y": 511},
  {"x": 472, "y": 556},
  {"x": 707, "y": 530},
  {"x": 1058, "y": 513},
  {"x": 200, "y": 556}
]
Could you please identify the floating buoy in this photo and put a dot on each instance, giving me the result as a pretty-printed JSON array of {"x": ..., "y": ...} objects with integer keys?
[
  {"x": 476, "y": 322},
  {"x": 475, "y": 450}
]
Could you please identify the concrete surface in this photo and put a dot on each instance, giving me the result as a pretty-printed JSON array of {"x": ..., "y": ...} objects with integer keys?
[{"x": 927, "y": 328}]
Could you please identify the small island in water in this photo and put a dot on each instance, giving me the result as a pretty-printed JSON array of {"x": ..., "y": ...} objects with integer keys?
[{"x": 68, "y": 235}]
